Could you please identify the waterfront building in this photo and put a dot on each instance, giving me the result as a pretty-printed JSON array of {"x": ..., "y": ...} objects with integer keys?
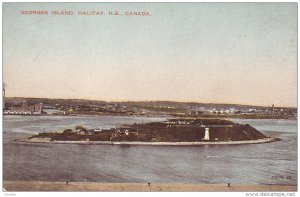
[
  {"x": 53, "y": 111},
  {"x": 24, "y": 108},
  {"x": 38, "y": 108}
]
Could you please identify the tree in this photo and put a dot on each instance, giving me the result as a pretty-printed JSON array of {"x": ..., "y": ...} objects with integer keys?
[
  {"x": 80, "y": 127},
  {"x": 68, "y": 131}
]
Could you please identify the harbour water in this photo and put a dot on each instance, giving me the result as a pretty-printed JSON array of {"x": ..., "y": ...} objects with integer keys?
[{"x": 267, "y": 163}]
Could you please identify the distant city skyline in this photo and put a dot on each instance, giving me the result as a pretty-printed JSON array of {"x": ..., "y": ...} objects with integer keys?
[{"x": 234, "y": 53}]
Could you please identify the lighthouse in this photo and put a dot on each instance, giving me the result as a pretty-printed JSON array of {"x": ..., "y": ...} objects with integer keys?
[{"x": 206, "y": 136}]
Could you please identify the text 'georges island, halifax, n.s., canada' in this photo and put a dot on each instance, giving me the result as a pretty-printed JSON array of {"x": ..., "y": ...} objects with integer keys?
[{"x": 85, "y": 13}]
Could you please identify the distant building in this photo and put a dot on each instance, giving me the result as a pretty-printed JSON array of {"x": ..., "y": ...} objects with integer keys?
[
  {"x": 23, "y": 108},
  {"x": 195, "y": 110},
  {"x": 232, "y": 110},
  {"x": 54, "y": 111},
  {"x": 20, "y": 108},
  {"x": 38, "y": 108},
  {"x": 124, "y": 127}
]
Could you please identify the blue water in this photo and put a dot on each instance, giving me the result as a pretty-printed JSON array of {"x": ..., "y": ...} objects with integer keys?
[{"x": 270, "y": 163}]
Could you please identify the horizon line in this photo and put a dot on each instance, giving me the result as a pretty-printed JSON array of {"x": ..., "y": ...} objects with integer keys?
[{"x": 178, "y": 101}]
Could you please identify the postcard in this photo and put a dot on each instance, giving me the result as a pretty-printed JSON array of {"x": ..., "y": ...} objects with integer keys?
[{"x": 150, "y": 97}]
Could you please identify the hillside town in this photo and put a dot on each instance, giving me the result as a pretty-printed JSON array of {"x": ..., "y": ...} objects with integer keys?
[{"x": 21, "y": 106}]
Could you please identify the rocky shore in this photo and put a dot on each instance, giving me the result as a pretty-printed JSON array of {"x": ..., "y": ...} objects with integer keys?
[{"x": 47, "y": 140}]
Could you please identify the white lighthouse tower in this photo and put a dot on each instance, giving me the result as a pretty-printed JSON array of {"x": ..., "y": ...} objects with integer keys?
[{"x": 206, "y": 136}]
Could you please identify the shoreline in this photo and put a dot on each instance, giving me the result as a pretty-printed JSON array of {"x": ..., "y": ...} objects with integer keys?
[
  {"x": 43, "y": 140},
  {"x": 12, "y": 186},
  {"x": 160, "y": 116}
]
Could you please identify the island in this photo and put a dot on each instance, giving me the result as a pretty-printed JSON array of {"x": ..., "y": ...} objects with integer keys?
[{"x": 188, "y": 131}]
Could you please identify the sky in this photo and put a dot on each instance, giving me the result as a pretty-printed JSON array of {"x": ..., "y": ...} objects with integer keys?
[{"x": 239, "y": 53}]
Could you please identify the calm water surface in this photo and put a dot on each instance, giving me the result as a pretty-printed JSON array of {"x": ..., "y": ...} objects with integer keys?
[{"x": 270, "y": 163}]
